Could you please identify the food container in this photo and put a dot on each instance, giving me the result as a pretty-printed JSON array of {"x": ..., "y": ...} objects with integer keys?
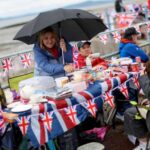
[
  {"x": 77, "y": 86},
  {"x": 60, "y": 82}
]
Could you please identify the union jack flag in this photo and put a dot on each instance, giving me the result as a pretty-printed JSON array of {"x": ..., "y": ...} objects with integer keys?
[
  {"x": 75, "y": 52},
  {"x": 91, "y": 107},
  {"x": 103, "y": 38},
  {"x": 26, "y": 60},
  {"x": 117, "y": 37},
  {"x": 123, "y": 88},
  {"x": 136, "y": 82},
  {"x": 124, "y": 20},
  {"x": 72, "y": 113},
  {"x": 109, "y": 98},
  {"x": 47, "y": 119},
  {"x": 75, "y": 56},
  {"x": 23, "y": 123},
  {"x": 6, "y": 64},
  {"x": 37, "y": 130}
]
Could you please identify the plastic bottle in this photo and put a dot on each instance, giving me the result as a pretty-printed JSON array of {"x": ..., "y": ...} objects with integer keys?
[{"x": 88, "y": 64}]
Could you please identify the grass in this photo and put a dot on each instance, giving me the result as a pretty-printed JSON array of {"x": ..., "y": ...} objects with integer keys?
[{"x": 14, "y": 82}]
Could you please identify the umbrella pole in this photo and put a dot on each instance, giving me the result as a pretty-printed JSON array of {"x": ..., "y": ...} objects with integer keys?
[
  {"x": 62, "y": 52},
  {"x": 63, "y": 59}
]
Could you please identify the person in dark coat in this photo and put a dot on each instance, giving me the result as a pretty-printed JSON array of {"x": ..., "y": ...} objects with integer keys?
[
  {"x": 138, "y": 128},
  {"x": 119, "y": 6}
]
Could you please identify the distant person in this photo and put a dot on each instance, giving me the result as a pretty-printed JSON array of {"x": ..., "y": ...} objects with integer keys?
[
  {"x": 129, "y": 48},
  {"x": 143, "y": 32},
  {"x": 135, "y": 128},
  {"x": 85, "y": 51},
  {"x": 137, "y": 7},
  {"x": 140, "y": 18},
  {"x": 119, "y": 6},
  {"x": 48, "y": 55}
]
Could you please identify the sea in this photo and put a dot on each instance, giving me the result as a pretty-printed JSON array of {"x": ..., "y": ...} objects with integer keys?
[{"x": 19, "y": 11}]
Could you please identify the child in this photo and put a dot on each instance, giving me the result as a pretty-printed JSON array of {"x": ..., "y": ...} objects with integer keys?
[{"x": 85, "y": 51}]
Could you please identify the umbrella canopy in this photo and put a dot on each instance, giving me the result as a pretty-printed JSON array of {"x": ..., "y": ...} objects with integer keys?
[{"x": 72, "y": 24}]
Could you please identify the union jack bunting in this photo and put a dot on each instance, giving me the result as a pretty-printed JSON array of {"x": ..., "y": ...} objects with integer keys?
[
  {"x": 136, "y": 81},
  {"x": 75, "y": 56},
  {"x": 38, "y": 130},
  {"x": 117, "y": 36},
  {"x": 6, "y": 64},
  {"x": 47, "y": 119},
  {"x": 26, "y": 59},
  {"x": 123, "y": 88},
  {"x": 103, "y": 38},
  {"x": 91, "y": 107},
  {"x": 124, "y": 20},
  {"x": 23, "y": 123},
  {"x": 109, "y": 98},
  {"x": 72, "y": 113}
]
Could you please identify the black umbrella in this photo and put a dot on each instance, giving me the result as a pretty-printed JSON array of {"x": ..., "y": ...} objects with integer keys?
[{"x": 72, "y": 24}]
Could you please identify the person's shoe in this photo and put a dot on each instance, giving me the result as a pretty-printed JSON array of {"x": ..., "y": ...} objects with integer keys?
[
  {"x": 132, "y": 139},
  {"x": 120, "y": 117},
  {"x": 141, "y": 146}
]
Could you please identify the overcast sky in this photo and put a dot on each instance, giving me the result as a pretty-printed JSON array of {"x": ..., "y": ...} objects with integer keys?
[{"x": 13, "y": 8}]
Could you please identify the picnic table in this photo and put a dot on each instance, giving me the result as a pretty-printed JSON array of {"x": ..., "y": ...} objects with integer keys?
[{"x": 49, "y": 120}]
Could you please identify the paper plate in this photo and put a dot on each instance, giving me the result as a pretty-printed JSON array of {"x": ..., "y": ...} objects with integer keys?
[
  {"x": 14, "y": 104},
  {"x": 21, "y": 108}
]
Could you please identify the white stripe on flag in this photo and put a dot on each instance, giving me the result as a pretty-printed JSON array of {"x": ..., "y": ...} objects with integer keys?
[
  {"x": 104, "y": 86},
  {"x": 79, "y": 98},
  {"x": 35, "y": 126},
  {"x": 112, "y": 83},
  {"x": 118, "y": 79},
  {"x": 68, "y": 101},
  {"x": 61, "y": 121}
]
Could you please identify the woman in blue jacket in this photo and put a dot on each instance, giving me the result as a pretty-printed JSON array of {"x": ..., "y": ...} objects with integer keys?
[
  {"x": 129, "y": 48},
  {"x": 48, "y": 55}
]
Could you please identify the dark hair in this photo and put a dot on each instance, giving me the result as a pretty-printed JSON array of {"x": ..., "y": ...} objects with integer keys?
[
  {"x": 129, "y": 32},
  {"x": 147, "y": 69},
  {"x": 129, "y": 37},
  {"x": 141, "y": 14}
]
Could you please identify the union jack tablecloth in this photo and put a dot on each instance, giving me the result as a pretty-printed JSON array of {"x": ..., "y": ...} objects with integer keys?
[{"x": 49, "y": 120}]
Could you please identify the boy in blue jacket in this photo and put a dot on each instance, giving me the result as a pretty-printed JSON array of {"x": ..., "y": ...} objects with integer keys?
[{"x": 129, "y": 48}]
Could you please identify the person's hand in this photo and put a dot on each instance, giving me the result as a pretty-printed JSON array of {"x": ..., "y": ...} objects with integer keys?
[
  {"x": 63, "y": 45},
  {"x": 91, "y": 57},
  {"x": 69, "y": 68}
]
